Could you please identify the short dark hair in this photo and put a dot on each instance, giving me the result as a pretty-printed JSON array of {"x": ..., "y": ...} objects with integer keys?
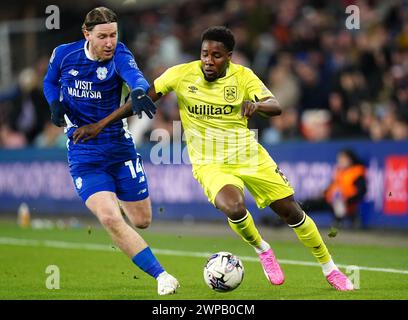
[
  {"x": 99, "y": 15},
  {"x": 221, "y": 34},
  {"x": 349, "y": 153}
]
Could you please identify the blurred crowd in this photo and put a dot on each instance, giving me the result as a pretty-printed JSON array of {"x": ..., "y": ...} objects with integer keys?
[{"x": 332, "y": 82}]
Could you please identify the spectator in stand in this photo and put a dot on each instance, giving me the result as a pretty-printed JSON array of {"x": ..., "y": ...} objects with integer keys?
[
  {"x": 29, "y": 111},
  {"x": 346, "y": 191}
]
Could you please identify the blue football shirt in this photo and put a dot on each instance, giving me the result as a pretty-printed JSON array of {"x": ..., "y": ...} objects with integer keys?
[{"x": 91, "y": 89}]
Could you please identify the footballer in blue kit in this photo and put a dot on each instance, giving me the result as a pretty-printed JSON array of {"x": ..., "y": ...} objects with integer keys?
[
  {"x": 84, "y": 84},
  {"x": 92, "y": 89}
]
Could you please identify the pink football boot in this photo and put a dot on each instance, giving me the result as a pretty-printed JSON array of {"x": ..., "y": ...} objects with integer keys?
[
  {"x": 271, "y": 267},
  {"x": 339, "y": 281}
]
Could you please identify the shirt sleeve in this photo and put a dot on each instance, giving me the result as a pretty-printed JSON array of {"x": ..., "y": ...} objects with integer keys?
[
  {"x": 169, "y": 80},
  {"x": 128, "y": 70},
  {"x": 51, "y": 83},
  {"x": 256, "y": 89}
]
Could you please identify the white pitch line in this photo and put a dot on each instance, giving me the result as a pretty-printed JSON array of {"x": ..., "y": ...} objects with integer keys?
[{"x": 103, "y": 247}]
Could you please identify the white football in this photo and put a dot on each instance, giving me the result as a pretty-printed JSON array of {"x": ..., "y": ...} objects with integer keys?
[{"x": 223, "y": 272}]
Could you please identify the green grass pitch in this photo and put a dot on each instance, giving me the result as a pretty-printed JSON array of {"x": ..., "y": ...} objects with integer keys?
[{"x": 92, "y": 268}]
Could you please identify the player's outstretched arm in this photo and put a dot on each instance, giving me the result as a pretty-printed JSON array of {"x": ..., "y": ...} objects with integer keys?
[
  {"x": 268, "y": 107},
  {"x": 90, "y": 131}
]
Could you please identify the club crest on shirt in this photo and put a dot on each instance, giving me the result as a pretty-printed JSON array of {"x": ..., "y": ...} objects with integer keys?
[
  {"x": 230, "y": 93},
  {"x": 78, "y": 182},
  {"x": 192, "y": 89},
  {"x": 101, "y": 73}
]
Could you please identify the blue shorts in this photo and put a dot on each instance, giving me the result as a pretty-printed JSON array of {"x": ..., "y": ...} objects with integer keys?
[{"x": 126, "y": 178}]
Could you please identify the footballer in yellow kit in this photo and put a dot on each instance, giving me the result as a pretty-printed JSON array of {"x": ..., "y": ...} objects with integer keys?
[
  {"x": 221, "y": 148},
  {"x": 215, "y": 98}
]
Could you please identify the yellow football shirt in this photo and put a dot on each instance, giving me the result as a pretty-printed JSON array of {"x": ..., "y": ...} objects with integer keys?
[{"x": 210, "y": 112}]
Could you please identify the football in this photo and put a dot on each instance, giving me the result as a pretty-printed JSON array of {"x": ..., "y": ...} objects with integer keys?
[{"x": 223, "y": 272}]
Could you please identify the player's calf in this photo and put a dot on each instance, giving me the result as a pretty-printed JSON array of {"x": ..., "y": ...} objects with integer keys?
[
  {"x": 288, "y": 210},
  {"x": 111, "y": 222}
]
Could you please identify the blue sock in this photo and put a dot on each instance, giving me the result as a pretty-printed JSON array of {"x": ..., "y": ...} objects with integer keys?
[{"x": 146, "y": 261}]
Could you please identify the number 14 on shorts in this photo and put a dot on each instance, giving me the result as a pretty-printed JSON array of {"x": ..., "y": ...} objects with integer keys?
[{"x": 133, "y": 172}]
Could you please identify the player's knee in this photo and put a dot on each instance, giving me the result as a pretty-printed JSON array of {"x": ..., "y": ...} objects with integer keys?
[
  {"x": 140, "y": 218},
  {"x": 234, "y": 210},
  {"x": 143, "y": 223}
]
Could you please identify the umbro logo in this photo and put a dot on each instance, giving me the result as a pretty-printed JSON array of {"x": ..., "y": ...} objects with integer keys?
[
  {"x": 73, "y": 72},
  {"x": 192, "y": 89}
]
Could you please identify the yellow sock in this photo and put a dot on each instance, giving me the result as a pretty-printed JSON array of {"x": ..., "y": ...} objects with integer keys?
[
  {"x": 308, "y": 234},
  {"x": 245, "y": 228}
]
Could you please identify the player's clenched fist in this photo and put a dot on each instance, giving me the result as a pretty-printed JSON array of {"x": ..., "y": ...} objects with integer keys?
[
  {"x": 86, "y": 132},
  {"x": 248, "y": 108},
  {"x": 142, "y": 102}
]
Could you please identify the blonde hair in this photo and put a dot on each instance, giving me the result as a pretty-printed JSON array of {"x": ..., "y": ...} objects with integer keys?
[{"x": 99, "y": 15}]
